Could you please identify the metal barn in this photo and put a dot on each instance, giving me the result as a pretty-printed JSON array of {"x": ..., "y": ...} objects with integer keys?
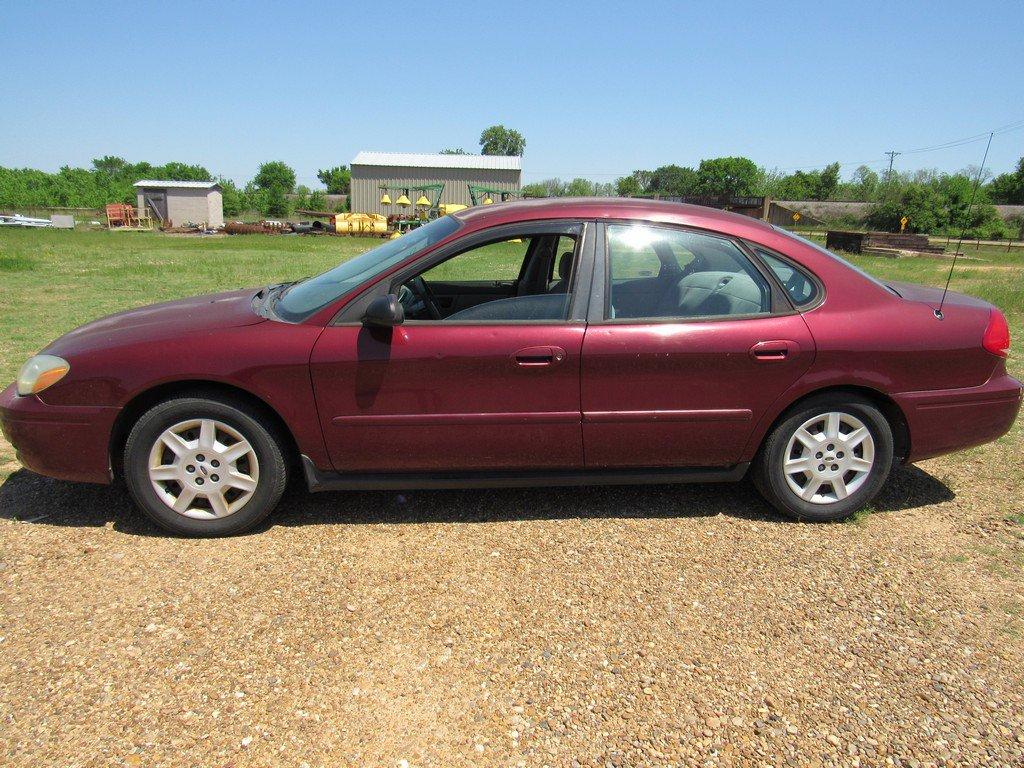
[
  {"x": 403, "y": 169},
  {"x": 182, "y": 202}
]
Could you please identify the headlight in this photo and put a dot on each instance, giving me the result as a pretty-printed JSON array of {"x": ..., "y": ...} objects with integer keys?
[{"x": 40, "y": 372}]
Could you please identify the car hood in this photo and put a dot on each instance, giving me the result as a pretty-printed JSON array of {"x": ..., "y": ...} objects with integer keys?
[{"x": 156, "y": 321}]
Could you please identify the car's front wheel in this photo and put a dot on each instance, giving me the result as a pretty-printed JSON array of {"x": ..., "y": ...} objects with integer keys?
[
  {"x": 827, "y": 459},
  {"x": 200, "y": 466}
]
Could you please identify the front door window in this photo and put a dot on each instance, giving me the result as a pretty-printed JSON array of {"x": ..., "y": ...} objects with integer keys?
[{"x": 522, "y": 279}]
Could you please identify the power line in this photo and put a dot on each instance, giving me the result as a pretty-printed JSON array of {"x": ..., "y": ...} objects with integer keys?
[
  {"x": 1008, "y": 128},
  {"x": 1014, "y": 126}
]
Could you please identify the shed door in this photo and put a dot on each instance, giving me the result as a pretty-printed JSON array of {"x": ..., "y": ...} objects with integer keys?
[{"x": 157, "y": 202}]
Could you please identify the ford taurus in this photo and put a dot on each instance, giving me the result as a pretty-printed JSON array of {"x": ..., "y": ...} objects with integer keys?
[{"x": 529, "y": 343}]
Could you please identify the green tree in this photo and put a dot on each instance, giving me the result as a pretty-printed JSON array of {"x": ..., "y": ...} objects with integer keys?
[
  {"x": 799, "y": 185},
  {"x": 274, "y": 202},
  {"x": 628, "y": 186},
  {"x": 920, "y": 203},
  {"x": 863, "y": 186},
  {"x": 317, "y": 200},
  {"x": 546, "y": 188},
  {"x": 231, "y": 197},
  {"x": 275, "y": 175},
  {"x": 183, "y": 172},
  {"x": 940, "y": 204},
  {"x": 673, "y": 181},
  {"x": 728, "y": 176},
  {"x": 109, "y": 165},
  {"x": 253, "y": 198},
  {"x": 338, "y": 180},
  {"x": 828, "y": 182},
  {"x": 1008, "y": 188},
  {"x": 980, "y": 219},
  {"x": 636, "y": 184},
  {"x": 499, "y": 140},
  {"x": 580, "y": 187},
  {"x": 802, "y": 185},
  {"x": 453, "y": 151}
]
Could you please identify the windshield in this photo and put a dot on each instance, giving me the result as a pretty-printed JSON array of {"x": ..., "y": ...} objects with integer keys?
[
  {"x": 303, "y": 299},
  {"x": 829, "y": 253}
]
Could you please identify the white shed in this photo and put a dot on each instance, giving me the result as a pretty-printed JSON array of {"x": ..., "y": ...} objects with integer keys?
[{"x": 182, "y": 202}]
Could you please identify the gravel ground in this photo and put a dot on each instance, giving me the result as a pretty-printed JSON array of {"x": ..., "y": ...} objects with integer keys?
[{"x": 614, "y": 626}]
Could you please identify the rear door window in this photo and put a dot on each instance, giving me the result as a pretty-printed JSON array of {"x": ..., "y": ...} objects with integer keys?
[{"x": 658, "y": 272}]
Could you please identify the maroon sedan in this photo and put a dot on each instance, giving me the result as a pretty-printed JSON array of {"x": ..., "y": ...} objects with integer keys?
[{"x": 532, "y": 343}]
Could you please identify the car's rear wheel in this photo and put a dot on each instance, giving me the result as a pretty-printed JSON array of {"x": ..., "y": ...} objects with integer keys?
[
  {"x": 204, "y": 467},
  {"x": 827, "y": 459}
]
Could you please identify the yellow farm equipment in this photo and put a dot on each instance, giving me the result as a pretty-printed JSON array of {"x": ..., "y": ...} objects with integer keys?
[{"x": 360, "y": 224}]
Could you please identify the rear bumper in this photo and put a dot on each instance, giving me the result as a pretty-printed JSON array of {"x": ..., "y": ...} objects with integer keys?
[
  {"x": 947, "y": 420},
  {"x": 66, "y": 442}
]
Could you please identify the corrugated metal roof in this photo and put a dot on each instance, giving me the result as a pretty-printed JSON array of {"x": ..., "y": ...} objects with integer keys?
[
  {"x": 182, "y": 184},
  {"x": 426, "y": 160}
]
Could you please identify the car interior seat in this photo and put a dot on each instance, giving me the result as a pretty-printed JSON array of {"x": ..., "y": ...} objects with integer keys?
[{"x": 561, "y": 285}]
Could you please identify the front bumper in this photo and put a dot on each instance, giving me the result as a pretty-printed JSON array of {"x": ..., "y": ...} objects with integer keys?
[
  {"x": 66, "y": 442},
  {"x": 947, "y": 420}
]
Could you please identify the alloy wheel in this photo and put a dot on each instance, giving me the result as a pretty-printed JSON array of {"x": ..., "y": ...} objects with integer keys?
[
  {"x": 203, "y": 469},
  {"x": 829, "y": 457}
]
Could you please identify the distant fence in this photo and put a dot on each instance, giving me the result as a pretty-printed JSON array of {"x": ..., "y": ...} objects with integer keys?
[
  {"x": 755, "y": 207},
  {"x": 830, "y": 210},
  {"x": 783, "y": 215}
]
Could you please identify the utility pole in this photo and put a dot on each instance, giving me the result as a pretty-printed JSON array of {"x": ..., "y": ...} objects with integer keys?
[{"x": 892, "y": 156}]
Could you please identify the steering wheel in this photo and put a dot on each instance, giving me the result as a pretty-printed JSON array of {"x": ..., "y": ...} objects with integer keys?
[{"x": 418, "y": 286}]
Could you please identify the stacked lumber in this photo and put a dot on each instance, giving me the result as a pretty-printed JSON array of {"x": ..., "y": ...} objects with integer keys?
[{"x": 884, "y": 243}]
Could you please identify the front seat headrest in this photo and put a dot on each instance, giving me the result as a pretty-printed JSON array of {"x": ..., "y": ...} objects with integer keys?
[{"x": 565, "y": 265}]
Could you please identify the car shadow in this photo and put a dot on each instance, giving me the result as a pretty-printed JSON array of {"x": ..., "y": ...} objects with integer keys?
[{"x": 31, "y": 498}]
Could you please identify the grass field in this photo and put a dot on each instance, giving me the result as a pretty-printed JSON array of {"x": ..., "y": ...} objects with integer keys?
[{"x": 54, "y": 281}]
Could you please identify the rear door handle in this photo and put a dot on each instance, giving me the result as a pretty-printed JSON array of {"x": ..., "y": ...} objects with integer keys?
[
  {"x": 530, "y": 357},
  {"x": 775, "y": 351}
]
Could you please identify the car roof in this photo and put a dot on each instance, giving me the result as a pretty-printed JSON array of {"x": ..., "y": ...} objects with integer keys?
[{"x": 611, "y": 208}]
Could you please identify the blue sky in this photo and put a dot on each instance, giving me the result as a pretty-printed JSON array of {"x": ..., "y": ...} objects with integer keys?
[{"x": 598, "y": 89}]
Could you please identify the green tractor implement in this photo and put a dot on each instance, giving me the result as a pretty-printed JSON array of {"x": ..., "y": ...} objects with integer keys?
[{"x": 486, "y": 195}]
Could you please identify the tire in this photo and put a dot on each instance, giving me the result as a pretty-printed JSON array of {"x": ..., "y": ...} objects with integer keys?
[
  {"x": 212, "y": 458},
  {"x": 790, "y": 464}
]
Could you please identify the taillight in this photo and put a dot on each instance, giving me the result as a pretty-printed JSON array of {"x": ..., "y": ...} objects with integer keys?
[{"x": 997, "y": 335}]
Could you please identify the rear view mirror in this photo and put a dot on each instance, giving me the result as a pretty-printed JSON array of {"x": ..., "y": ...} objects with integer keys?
[{"x": 384, "y": 312}]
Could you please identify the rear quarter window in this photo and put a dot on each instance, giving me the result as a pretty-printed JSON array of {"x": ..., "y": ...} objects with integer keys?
[{"x": 800, "y": 287}]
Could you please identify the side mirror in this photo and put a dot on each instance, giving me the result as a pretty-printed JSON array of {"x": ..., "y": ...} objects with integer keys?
[{"x": 384, "y": 312}]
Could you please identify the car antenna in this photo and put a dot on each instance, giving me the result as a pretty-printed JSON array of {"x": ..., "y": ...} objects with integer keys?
[{"x": 967, "y": 221}]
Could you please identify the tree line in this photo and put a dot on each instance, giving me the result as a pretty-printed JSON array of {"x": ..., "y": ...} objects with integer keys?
[
  {"x": 109, "y": 180},
  {"x": 932, "y": 201},
  {"x": 272, "y": 192}
]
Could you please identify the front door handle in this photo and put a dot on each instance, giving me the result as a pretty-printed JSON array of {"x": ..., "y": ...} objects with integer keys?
[
  {"x": 775, "y": 351},
  {"x": 530, "y": 357}
]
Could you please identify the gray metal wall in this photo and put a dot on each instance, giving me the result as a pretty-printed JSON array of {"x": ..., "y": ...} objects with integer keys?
[{"x": 366, "y": 181}]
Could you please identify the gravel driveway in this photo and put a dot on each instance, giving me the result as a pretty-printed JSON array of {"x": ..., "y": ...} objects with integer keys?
[{"x": 614, "y": 626}]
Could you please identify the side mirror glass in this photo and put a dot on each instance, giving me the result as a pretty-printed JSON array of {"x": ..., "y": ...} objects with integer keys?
[{"x": 384, "y": 312}]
